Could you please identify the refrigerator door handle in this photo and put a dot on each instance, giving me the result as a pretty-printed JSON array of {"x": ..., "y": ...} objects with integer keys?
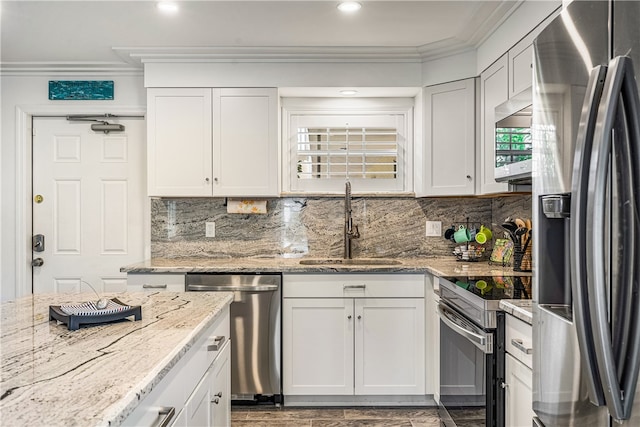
[
  {"x": 578, "y": 232},
  {"x": 627, "y": 150},
  {"x": 619, "y": 395}
]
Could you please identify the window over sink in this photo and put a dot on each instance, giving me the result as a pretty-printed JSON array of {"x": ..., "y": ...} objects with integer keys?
[{"x": 367, "y": 141}]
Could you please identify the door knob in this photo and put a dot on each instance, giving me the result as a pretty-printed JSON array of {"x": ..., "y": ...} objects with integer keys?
[{"x": 37, "y": 262}]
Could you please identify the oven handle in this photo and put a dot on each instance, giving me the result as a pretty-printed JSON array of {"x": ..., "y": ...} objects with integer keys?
[{"x": 449, "y": 319}]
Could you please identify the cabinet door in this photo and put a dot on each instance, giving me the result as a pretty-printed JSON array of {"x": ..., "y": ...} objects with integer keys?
[
  {"x": 245, "y": 142},
  {"x": 518, "y": 393},
  {"x": 317, "y": 346},
  {"x": 520, "y": 68},
  {"x": 198, "y": 412},
  {"x": 449, "y": 152},
  {"x": 493, "y": 92},
  {"x": 179, "y": 156},
  {"x": 389, "y": 346},
  {"x": 221, "y": 388},
  {"x": 432, "y": 338}
]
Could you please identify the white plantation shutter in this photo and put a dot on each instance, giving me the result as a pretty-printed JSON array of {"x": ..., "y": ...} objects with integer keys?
[{"x": 368, "y": 149}]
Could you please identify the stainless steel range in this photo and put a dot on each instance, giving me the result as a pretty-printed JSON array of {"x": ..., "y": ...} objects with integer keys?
[{"x": 472, "y": 347}]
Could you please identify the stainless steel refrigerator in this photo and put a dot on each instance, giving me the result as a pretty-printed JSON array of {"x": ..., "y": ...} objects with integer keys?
[{"x": 586, "y": 135}]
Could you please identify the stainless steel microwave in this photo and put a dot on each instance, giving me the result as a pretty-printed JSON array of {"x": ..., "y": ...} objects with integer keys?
[{"x": 513, "y": 149}]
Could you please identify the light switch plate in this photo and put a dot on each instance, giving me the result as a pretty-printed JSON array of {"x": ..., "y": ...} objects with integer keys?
[
  {"x": 434, "y": 229},
  {"x": 210, "y": 229}
]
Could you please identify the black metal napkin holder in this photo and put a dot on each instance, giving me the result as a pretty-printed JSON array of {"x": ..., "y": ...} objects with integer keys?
[{"x": 74, "y": 321}]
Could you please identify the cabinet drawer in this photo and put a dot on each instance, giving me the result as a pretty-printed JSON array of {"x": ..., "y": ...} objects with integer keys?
[
  {"x": 155, "y": 282},
  {"x": 175, "y": 388},
  {"x": 519, "y": 341},
  {"x": 353, "y": 286}
]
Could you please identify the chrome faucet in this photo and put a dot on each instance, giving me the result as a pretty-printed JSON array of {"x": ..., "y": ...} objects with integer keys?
[{"x": 349, "y": 227}]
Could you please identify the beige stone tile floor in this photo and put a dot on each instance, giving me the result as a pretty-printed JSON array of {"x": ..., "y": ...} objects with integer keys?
[{"x": 269, "y": 416}]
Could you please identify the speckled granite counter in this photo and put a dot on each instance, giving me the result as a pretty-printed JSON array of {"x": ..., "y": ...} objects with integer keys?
[
  {"x": 436, "y": 266},
  {"x": 521, "y": 309},
  {"x": 96, "y": 375}
]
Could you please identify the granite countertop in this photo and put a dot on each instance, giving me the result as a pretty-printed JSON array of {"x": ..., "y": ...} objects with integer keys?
[
  {"x": 95, "y": 375},
  {"x": 436, "y": 266},
  {"x": 521, "y": 309}
]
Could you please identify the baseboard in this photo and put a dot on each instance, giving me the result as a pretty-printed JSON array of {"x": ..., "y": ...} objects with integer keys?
[{"x": 320, "y": 401}]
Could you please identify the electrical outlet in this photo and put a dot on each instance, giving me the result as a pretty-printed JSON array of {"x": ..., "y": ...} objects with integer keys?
[
  {"x": 210, "y": 229},
  {"x": 434, "y": 228}
]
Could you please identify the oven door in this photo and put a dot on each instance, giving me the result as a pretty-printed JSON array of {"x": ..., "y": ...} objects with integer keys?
[{"x": 468, "y": 372}]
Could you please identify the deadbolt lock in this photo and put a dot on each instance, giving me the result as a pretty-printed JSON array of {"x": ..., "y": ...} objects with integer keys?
[{"x": 37, "y": 242}]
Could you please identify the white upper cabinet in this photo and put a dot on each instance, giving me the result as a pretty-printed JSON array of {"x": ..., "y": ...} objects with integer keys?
[
  {"x": 245, "y": 148},
  {"x": 179, "y": 146},
  {"x": 212, "y": 142},
  {"x": 494, "y": 91},
  {"x": 520, "y": 67},
  {"x": 448, "y": 167}
]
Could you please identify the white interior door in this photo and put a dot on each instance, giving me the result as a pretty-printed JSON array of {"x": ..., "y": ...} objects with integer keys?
[{"x": 89, "y": 203}]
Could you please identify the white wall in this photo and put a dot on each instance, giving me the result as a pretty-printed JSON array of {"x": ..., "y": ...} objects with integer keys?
[
  {"x": 455, "y": 67},
  {"x": 523, "y": 20},
  {"x": 283, "y": 74},
  {"x": 30, "y": 93}
]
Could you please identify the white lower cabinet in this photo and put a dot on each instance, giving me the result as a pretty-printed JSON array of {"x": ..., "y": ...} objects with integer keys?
[
  {"x": 348, "y": 335},
  {"x": 432, "y": 337},
  {"x": 518, "y": 393},
  {"x": 389, "y": 346},
  {"x": 221, "y": 388},
  {"x": 518, "y": 374},
  {"x": 196, "y": 391},
  {"x": 318, "y": 346}
]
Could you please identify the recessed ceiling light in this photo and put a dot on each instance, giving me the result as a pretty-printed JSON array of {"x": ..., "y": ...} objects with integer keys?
[
  {"x": 349, "y": 6},
  {"x": 168, "y": 6},
  {"x": 348, "y": 92}
]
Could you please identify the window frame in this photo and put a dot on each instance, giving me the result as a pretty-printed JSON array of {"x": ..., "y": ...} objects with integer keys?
[{"x": 352, "y": 108}]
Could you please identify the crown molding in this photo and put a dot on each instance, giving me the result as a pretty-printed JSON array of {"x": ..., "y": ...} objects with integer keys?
[
  {"x": 69, "y": 68},
  {"x": 141, "y": 55}
]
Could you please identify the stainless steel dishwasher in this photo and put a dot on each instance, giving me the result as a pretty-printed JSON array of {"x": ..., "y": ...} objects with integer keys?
[{"x": 255, "y": 332}]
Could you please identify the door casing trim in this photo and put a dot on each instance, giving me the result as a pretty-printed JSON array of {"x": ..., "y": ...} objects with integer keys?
[{"x": 23, "y": 207}]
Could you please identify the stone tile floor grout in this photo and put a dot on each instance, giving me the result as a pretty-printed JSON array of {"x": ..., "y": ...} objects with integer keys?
[{"x": 270, "y": 416}]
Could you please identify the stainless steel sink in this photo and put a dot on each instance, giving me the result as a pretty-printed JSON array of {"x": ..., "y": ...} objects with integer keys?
[{"x": 355, "y": 261}]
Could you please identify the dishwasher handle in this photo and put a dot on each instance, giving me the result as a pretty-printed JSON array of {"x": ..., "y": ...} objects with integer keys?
[{"x": 232, "y": 288}]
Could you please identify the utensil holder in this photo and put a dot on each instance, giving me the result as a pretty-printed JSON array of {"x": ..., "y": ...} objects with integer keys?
[{"x": 522, "y": 260}]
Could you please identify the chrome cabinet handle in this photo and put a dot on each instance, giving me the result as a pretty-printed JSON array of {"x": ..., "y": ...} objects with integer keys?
[
  {"x": 359, "y": 317},
  {"x": 217, "y": 343},
  {"x": 349, "y": 317},
  {"x": 165, "y": 415},
  {"x": 517, "y": 343},
  {"x": 216, "y": 401},
  {"x": 354, "y": 286},
  {"x": 149, "y": 286},
  {"x": 206, "y": 179},
  {"x": 218, "y": 394}
]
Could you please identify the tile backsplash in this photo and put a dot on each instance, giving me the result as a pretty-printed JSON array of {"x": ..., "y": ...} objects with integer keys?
[{"x": 296, "y": 227}]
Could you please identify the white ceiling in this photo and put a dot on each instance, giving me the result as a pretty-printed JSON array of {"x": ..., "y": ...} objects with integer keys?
[{"x": 34, "y": 33}]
